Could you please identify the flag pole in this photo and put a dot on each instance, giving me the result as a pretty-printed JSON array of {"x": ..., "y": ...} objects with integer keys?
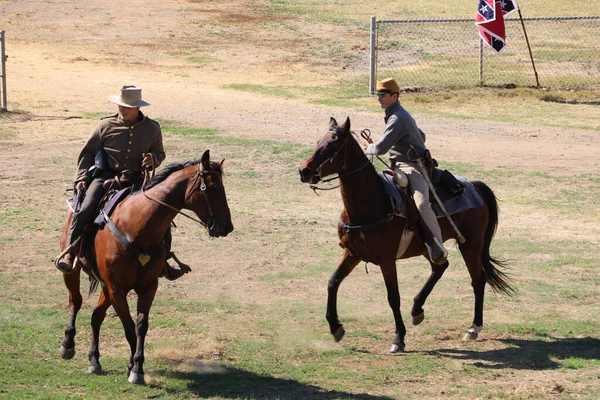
[{"x": 537, "y": 81}]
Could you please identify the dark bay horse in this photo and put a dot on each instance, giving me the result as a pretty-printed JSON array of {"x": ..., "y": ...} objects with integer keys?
[
  {"x": 143, "y": 219},
  {"x": 367, "y": 205}
]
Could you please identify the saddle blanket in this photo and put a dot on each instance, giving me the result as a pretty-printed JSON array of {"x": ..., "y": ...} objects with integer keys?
[{"x": 467, "y": 200}]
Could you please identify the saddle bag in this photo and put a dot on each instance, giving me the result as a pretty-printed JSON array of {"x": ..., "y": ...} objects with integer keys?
[{"x": 446, "y": 182}]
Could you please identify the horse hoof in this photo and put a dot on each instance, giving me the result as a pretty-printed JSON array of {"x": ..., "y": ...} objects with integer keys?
[
  {"x": 396, "y": 348},
  {"x": 67, "y": 354},
  {"x": 136, "y": 379},
  {"x": 472, "y": 333},
  {"x": 417, "y": 319},
  {"x": 185, "y": 268},
  {"x": 95, "y": 370},
  {"x": 339, "y": 334}
]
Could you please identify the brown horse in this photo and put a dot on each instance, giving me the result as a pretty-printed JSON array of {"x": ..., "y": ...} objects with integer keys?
[
  {"x": 142, "y": 219},
  {"x": 369, "y": 231}
]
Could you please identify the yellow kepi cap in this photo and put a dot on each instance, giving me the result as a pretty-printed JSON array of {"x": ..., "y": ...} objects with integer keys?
[{"x": 387, "y": 85}]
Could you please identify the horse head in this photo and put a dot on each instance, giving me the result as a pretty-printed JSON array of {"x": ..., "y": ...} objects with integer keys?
[
  {"x": 206, "y": 197},
  {"x": 329, "y": 156}
]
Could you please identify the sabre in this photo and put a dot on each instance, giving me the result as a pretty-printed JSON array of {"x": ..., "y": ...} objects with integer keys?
[{"x": 461, "y": 238}]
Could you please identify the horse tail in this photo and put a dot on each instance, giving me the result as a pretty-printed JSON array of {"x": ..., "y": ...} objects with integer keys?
[
  {"x": 93, "y": 273},
  {"x": 491, "y": 266},
  {"x": 93, "y": 285}
]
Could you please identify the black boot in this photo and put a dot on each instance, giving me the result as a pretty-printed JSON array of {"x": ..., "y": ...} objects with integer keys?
[
  {"x": 170, "y": 272},
  {"x": 65, "y": 263},
  {"x": 437, "y": 252}
]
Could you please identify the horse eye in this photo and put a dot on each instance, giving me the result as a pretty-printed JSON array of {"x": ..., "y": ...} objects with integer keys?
[{"x": 211, "y": 184}]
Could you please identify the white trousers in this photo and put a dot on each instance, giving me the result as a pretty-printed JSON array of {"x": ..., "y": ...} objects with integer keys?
[{"x": 420, "y": 192}]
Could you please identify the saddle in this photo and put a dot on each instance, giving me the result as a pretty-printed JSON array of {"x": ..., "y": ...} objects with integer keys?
[{"x": 456, "y": 192}]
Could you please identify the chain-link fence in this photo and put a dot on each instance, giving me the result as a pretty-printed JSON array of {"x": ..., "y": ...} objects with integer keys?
[{"x": 447, "y": 53}]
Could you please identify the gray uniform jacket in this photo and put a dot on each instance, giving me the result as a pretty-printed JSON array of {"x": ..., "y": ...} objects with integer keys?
[{"x": 401, "y": 132}]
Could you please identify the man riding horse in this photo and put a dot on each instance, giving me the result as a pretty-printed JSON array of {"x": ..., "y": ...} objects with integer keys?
[
  {"x": 406, "y": 144},
  {"x": 120, "y": 149}
]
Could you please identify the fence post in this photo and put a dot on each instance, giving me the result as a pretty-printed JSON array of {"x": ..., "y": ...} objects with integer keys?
[
  {"x": 2, "y": 72},
  {"x": 373, "y": 59},
  {"x": 480, "y": 62}
]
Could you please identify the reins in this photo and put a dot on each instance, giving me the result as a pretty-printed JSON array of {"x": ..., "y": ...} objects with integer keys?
[
  {"x": 202, "y": 187},
  {"x": 366, "y": 134}
]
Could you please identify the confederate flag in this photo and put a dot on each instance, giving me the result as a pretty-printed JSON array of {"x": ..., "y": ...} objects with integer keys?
[{"x": 490, "y": 21}]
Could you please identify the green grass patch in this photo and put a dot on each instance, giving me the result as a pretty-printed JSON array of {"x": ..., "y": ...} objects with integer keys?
[
  {"x": 201, "y": 59},
  {"x": 275, "y": 91},
  {"x": 177, "y": 53},
  {"x": 194, "y": 133},
  {"x": 96, "y": 115}
]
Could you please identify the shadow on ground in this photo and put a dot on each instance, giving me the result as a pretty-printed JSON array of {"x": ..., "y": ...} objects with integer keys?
[
  {"x": 529, "y": 354},
  {"x": 235, "y": 383}
]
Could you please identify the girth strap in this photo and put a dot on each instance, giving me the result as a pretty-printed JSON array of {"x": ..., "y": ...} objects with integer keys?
[
  {"x": 143, "y": 257},
  {"x": 348, "y": 228}
]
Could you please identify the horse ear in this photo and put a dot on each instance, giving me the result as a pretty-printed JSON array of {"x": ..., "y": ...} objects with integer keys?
[
  {"x": 346, "y": 125},
  {"x": 221, "y": 163},
  {"x": 332, "y": 123},
  {"x": 206, "y": 159}
]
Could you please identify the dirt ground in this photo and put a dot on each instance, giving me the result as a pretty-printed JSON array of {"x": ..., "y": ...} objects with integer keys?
[{"x": 66, "y": 59}]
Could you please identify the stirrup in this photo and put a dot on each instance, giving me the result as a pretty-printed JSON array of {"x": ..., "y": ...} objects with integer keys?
[
  {"x": 63, "y": 267},
  {"x": 171, "y": 273},
  {"x": 65, "y": 263}
]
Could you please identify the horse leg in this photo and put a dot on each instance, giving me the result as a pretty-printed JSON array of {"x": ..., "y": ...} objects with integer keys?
[
  {"x": 67, "y": 348},
  {"x": 390, "y": 275},
  {"x": 417, "y": 312},
  {"x": 344, "y": 269},
  {"x": 145, "y": 299},
  {"x": 98, "y": 316},
  {"x": 473, "y": 261},
  {"x": 119, "y": 302}
]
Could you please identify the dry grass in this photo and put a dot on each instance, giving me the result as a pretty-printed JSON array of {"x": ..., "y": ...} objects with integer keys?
[{"x": 248, "y": 322}]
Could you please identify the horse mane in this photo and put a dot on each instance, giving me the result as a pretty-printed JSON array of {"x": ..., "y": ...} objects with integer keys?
[{"x": 171, "y": 168}]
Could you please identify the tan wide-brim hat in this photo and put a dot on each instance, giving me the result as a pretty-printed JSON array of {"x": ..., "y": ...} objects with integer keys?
[
  {"x": 388, "y": 85},
  {"x": 130, "y": 96}
]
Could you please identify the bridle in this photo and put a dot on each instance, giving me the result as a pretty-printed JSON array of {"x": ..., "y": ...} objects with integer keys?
[
  {"x": 330, "y": 160},
  {"x": 366, "y": 135},
  {"x": 198, "y": 184}
]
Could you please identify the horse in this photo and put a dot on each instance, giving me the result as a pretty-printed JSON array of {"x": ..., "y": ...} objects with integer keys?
[
  {"x": 369, "y": 231},
  {"x": 134, "y": 256}
]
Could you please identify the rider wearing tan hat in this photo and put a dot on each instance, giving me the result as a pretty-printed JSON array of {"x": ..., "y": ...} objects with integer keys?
[
  {"x": 406, "y": 142},
  {"x": 128, "y": 142},
  {"x": 130, "y": 96}
]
